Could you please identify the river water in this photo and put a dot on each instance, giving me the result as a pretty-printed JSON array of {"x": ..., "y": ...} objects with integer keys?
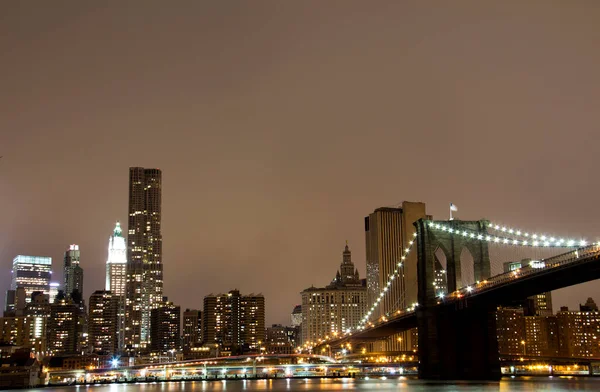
[{"x": 391, "y": 384}]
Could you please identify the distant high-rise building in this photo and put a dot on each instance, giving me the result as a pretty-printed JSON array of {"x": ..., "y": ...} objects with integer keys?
[
  {"x": 164, "y": 328},
  {"x": 73, "y": 271},
  {"x": 116, "y": 279},
  {"x": 234, "y": 322},
  {"x": 33, "y": 273},
  {"x": 335, "y": 308},
  {"x": 102, "y": 322},
  {"x": 192, "y": 329},
  {"x": 144, "y": 255},
  {"x": 388, "y": 232}
]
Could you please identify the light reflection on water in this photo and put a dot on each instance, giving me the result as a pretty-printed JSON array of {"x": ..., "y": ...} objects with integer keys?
[{"x": 520, "y": 384}]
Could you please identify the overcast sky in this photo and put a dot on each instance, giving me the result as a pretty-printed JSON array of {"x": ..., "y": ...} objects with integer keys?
[{"x": 278, "y": 126}]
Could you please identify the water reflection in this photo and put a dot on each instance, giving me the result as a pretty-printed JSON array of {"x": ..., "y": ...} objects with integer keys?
[{"x": 556, "y": 384}]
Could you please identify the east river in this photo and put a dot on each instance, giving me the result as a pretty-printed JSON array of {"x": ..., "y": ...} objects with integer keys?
[{"x": 374, "y": 384}]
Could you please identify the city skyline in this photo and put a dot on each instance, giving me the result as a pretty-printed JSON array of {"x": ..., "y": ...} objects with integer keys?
[{"x": 271, "y": 167}]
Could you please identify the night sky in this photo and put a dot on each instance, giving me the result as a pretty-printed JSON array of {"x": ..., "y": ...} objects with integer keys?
[{"x": 278, "y": 126}]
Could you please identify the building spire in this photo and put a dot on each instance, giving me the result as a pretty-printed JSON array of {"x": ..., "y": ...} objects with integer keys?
[{"x": 117, "y": 231}]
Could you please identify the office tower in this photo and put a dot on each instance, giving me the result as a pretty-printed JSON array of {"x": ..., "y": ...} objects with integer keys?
[
  {"x": 192, "y": 329},
  {"x": 73, "y": 271},
  {"x": 102, "y": 322},
  {"x": 234, "y": 322},
  {"x": 144, "y": 255},
  {"x": 334, "y": 309},
  {"x": 116, "y": 278},
  {"x": 32, "y": 273},
  {"x": 542, "y": 303},
  {"x": 62, "y": 327},
  {"x": 388, "y": 232},
  {"x": 164, "y": 328}
]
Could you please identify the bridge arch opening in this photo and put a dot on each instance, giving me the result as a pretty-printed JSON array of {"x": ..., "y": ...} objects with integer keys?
[{"x": 467, "y": 268}]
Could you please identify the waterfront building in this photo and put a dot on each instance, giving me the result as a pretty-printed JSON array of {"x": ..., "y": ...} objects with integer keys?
[
  {"x": 332, "y": 310},
  {"x": 579, "y": 333},
  {"x": 144, "y": 255},
  {"x": 234, "y": 323}
]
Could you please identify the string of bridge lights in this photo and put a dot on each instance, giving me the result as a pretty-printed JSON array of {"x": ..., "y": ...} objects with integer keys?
[
  {"x": 533, "y": 236},
  {"x": 532, "y": 240},
  {"x": 391, "y": 278}
]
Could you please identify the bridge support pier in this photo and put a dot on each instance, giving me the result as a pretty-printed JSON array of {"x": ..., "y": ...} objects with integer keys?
[{"x": 458, "y": 344}]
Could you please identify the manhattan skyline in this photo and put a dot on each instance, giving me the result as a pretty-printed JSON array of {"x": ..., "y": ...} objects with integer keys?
[{"x": 275, "y": 143}]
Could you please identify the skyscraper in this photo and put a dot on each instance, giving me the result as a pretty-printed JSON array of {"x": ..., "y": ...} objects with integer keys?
[
  {"x": 32, "y": 273},
  {"x": 73, "y": 271},
  {"x": 144, "y": 255},
  {"x": 116, "y": 279},
  {"x": 387, "y": 233},
  {"x": 116, "y": 264}
]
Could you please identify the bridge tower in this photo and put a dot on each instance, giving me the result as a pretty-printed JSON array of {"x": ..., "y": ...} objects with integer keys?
[{"x": 457, "y": 341}]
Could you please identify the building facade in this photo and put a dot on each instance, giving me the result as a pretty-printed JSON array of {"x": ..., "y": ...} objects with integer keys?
[
  {"x": 73, "y": 273},
  {"x": 334, "y": 309},
  {"x": 144, "y": 255},
  {"x": 102, "y": 322},
  {"x": 233, "y": 322},
  {"x": 164, "y": 328},
  {"x": 33, "y": 273},
  {"x": 579, "y": 333},
  {"x": 388, "y": 232}
]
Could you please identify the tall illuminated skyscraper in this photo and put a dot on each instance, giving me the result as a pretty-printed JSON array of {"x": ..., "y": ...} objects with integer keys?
[
  {"x": 116, "y": 278},
  {"x": 73, "y": 271},
  {"x": 116, "y": 265},
  {"x": 32, "y": 273},
  {"x": 144, "y": 255}
]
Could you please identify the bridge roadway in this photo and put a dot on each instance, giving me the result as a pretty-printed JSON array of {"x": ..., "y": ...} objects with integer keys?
[
  {"x": 279, "y": 366},
  {"x": 237, "y": 367},
  {"x": 571, "y": 268}
]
